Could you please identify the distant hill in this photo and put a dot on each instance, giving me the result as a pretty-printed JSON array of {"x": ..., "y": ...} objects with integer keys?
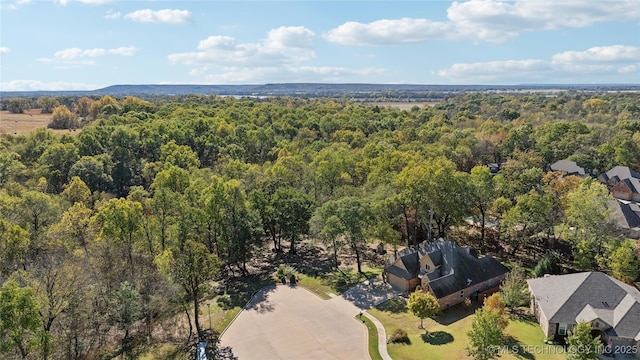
[{"x": 360, "y": 91}]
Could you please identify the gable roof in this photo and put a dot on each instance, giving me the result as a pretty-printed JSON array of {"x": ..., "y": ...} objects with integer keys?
[
  {"x": 460, "y": 268},
  {"x": 410, "y": 266},
  {"x": 588, "y": 296},
  {"x": 570, "y": 167},
  {"x": 626, "y": 214},
  {"x": 622, "y": 173}
]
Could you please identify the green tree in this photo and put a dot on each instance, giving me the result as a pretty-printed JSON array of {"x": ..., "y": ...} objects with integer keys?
[
  {"x": 483, "y": 190},
  {"x": 178, "y": 155},
  {"x": 527, "y": 218},
  {"x": 58, "y": 160},
  {"x": 14, "y": 247},
  {"x": 623, "y": 261},
  {"x": 293, "y": 209},
  {"x": 423, "y": 305},
  {"x": 581, "y": 345},
  {"x": 74, "y": 230},
  {"x": 63, "y": 118},
  {"x": 242, "y": 232},
  {"x": 485, "y": 336},
  {"x": 127, "y": 311},
  {"x": 121, "y": 221},
  {"x": 77, "y": 191},
  {"x": 47, "y": 104},
  {"x": 437, "y": 188},
  {"x": 514, "y": 288},
  {"x": 18, "y": 105},
  {"x": 332, "y": 167},
  {"x": 19, "y": 319},
  {"x": 354, "y": 215},
  {"x": 192, "y": 268},
  {"x": 82, "y": 107},
  {"x": 10, "y": 165},
  {"x": 549, "y": 264},
  {"x": 588, "y": 228}
]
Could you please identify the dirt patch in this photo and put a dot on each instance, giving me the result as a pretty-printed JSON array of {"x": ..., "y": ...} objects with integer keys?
[{"x": 27, "y": 122}]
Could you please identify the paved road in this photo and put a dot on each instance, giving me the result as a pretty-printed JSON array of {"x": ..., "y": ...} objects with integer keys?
[{"x": 292, "y": 323}]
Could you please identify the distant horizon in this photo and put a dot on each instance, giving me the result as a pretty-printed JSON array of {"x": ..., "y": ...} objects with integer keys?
[
  {"x": 82, "y": 45},
  {"x": 543, "y": 85}
]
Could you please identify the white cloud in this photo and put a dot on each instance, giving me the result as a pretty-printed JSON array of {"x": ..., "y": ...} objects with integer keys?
[
  {"x": 76, "y": 53},
  {"x": 615, "y": 61},
  {"x": 15, "y": 4},
  {"x": 614, "y": 53},
  {"x": 487, "y": 20},
  {"x": 4, "y": 50},
  {"x": 90, "y": 2},
  {"x": 72, "y": 57},
  {"x": 497, "y": 20},
  {"x": 169, "y": 16},
  {"x": 284, "y": 54},
  {"x": 35, "y": 85},
  {"x": 112, "y": 14},
  {"x": 386, "y": 32},
  {"x": 284, "y": 45}
]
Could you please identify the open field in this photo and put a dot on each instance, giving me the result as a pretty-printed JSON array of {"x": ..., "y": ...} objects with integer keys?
[
  {"x": 401, "y": 105},
  {"x": 31, "y": 120}
]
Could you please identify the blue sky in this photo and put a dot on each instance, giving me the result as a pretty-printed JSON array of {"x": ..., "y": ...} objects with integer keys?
[{"x": 89, "y": 44}]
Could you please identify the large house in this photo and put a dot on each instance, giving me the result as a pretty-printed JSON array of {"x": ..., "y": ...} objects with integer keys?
[
  {"x": 626, "y": 216},
  {"x": 612, "y": 307},
  {"x": 623, "y": 183},
  {"x": 568, "y": 168},
  {"x": 450, "y": 272}
]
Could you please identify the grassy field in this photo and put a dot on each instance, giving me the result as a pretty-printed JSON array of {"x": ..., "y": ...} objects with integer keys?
[
  {"x": 401, "y": 105},
  {"x": 31, "y": 120},
  {"x": 447, "y": 335}
]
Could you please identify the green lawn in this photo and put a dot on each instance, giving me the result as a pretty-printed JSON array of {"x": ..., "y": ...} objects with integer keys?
[
  {"x": 373, "y": 338},
  {"x": 447, "y": 337}
]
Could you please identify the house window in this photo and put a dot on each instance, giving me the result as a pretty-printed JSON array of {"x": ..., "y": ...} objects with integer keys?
[
  {"x": 427, "y": 267},
  {"x": 562, "y": 328},
  {"x": 462, "y": 293}
]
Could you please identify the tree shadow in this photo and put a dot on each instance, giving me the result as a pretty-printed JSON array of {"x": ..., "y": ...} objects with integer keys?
[
  {"x": 259, "y": 302},
  {"x": 395, "y": 305},
  {"x": 239, "y": 293},
  {"x": 455, "y": 313},
  {"x": 437, "y": 338},
  {"x": 512, "y": 343}
]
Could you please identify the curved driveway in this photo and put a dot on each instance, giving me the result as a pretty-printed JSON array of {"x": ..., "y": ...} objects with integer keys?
[{"x": 285, "y": 322}]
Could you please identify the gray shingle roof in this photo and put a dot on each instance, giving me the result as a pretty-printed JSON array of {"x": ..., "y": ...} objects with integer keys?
[
  {"x": 570, "y": 167},
  {"x": 625, "y": 214},
  {"x": 587, "y": 296},
  {"x": 622, "y": 173},
  {"x": 458, "y": 267},
  {"x": 411, "y": 264}
]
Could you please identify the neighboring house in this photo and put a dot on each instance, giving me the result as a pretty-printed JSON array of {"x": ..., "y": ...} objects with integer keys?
[
  {"x": 568, "y": 168},
  {"x": 451, "y": 273},
  {"x": 623, "y": 183},
  {"x": 612, "y": 307},
  {"x": 626, "y": 216}
]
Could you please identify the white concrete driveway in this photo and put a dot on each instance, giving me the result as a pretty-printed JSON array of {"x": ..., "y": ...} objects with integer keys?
[{"x": 293, "y": 323}]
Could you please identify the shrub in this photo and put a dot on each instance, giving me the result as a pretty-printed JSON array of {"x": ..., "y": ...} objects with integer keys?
[{"x": 400, "y": 337}]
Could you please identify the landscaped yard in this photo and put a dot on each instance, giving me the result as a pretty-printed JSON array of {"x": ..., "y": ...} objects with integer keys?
[{"x": 447, "y": 337}]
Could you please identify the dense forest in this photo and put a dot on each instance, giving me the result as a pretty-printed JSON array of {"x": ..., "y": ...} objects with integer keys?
[{"x": 107, "y": 232}]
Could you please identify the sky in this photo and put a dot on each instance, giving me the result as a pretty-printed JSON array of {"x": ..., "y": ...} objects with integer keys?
[{"x": 90, "y": 44}]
